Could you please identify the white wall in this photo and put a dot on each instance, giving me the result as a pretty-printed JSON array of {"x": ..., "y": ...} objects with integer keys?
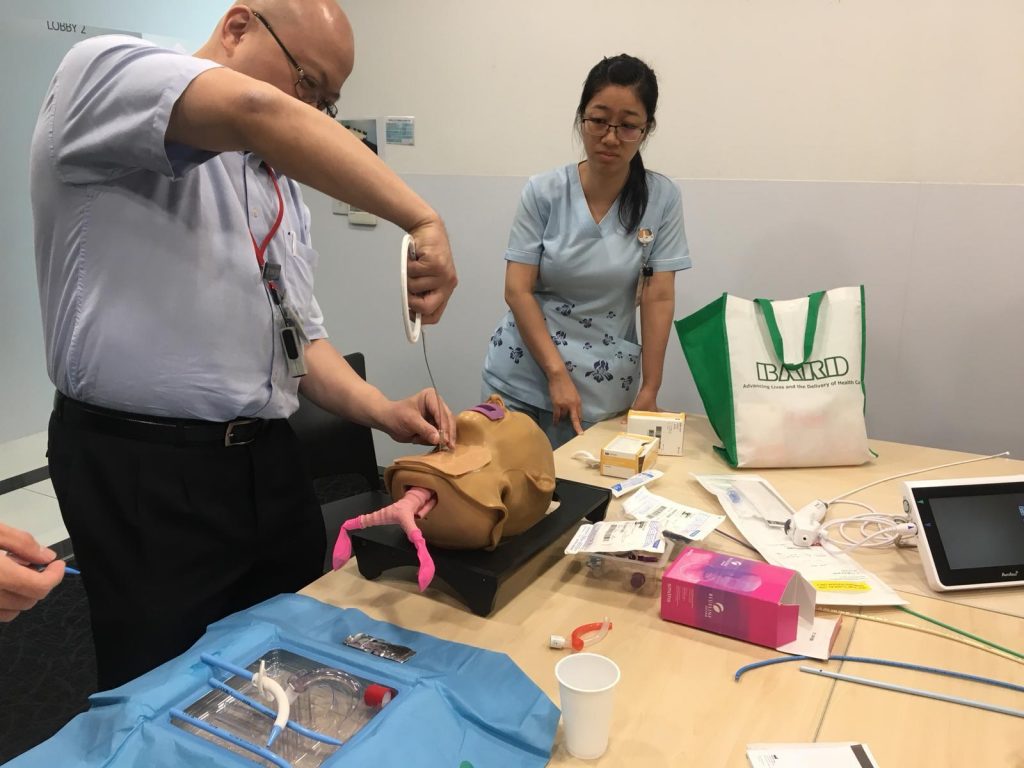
[
  {"x": 877, "y": 90},
  {"x": 923, "y": 92},
  {"x": 29, "y": 54},
  {"x": 939, "y": 264},
  {"x": 917, "y": 103}
]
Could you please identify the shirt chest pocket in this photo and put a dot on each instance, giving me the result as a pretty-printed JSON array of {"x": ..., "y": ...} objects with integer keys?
[{"x": 297, "y": 274}]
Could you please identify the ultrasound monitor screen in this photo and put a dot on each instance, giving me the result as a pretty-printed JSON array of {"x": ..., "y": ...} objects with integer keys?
[{"x": 981, "y": 531}]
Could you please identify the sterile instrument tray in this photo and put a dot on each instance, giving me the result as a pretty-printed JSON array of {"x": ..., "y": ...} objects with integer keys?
[{"x": 331, "y": 704}]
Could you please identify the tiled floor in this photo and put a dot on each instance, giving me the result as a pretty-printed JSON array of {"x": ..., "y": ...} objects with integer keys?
[
  {"x": 22, "y": 455},
  {"x": 34, "y": 507}
]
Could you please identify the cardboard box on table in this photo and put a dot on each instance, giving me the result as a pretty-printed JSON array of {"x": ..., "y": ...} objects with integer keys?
[
  {"x": 746, "y": 599},
  {"x": 626, "y": 455},
  {"x": 667, "y": 427}
]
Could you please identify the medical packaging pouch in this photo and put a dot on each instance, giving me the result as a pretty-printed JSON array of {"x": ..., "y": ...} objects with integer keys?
[
  {"x": 627, "y": 455},
  {"x": 667, "y": 427},
  {"x": 745, "y": 599},
  {"x": 453, "y": 704},
  {"x": 638, "y": 573},
  {"x": 782, "y": 382}
]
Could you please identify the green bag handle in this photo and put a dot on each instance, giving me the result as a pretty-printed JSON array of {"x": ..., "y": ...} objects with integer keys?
[{"x": 813, "y": 305}]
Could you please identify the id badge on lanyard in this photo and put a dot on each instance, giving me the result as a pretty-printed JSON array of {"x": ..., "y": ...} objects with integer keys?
[
  {"x": 294, "y": 341},
  {"x": 646, "y": 237},
  {"x": 293, "y": 337}
]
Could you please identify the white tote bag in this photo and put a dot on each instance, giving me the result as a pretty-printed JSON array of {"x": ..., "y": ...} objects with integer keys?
[{"x": 782, "y": 381}]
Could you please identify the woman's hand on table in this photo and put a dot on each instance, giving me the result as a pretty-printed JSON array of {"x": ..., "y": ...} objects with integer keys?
[{"x": 565, "y": 401}]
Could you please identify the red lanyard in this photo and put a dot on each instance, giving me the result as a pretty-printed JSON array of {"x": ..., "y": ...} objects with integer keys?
[{"x": 261, "y": 248}]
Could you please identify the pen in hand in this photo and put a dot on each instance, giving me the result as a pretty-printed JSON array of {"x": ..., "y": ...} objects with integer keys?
[{"x": 43, "y": 566}]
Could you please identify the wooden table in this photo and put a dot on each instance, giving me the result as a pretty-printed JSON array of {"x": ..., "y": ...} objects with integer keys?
[{"x": 677, "y": 703}]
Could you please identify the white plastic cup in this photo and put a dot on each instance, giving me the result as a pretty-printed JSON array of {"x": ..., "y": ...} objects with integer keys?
[{"x": 586, "y": 687}]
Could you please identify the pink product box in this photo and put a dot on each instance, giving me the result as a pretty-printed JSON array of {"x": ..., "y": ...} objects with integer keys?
[{"x": 733, "y": 596}]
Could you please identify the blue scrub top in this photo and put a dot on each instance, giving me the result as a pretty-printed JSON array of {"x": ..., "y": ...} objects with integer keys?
[{"x": 586, "y": 289}]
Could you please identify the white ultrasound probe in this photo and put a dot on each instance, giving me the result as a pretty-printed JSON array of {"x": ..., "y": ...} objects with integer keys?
[{"x": 412, "y": 327}]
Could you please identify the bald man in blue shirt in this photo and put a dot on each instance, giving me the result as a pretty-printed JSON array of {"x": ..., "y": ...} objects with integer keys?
[{"x": 176, "y": 281}]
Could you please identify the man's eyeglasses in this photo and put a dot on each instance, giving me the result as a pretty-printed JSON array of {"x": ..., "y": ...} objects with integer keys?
[
  {"x": 598, "y": 126},
  {"x": 306, "y": 88}
]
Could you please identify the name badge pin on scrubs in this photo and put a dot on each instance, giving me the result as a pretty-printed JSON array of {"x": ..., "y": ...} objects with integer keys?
[
  {"x": 413, "y": 325},
  {"x": 645, "y": 237}
]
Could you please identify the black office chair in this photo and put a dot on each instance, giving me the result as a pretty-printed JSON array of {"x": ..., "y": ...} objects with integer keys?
[{"x": 341, "y": 460}]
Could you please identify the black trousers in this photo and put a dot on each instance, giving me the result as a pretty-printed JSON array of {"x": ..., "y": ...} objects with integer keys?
[{"x": 170, "y": 538}]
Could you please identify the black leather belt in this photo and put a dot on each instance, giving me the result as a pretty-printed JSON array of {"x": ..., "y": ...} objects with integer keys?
[{"x": 156, "y": 429}]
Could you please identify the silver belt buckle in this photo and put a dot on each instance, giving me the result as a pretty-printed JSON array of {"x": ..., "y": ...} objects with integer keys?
[{"x": 229, "y": 433}]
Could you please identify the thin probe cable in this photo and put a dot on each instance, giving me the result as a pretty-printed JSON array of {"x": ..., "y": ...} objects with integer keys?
[
  {"x": 915, "y": 472},
  {"x": 414, "y": 332},
  {"x": 442, "y": 437},
  {"x": 887, "y": 525},
  {"x": 907, "y": 625}
]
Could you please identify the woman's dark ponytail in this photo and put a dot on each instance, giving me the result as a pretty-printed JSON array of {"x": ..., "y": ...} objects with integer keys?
[
  {"x": 633, "y": 73},
  {"x": 633, "y": 198}
]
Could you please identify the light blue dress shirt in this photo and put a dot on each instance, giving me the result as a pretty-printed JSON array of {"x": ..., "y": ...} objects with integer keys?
[
  {"x": 586, "y": 289},
  {"x": 151, "y": 296}
]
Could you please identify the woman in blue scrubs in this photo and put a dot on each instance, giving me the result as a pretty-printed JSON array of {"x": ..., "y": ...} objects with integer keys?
[{"x": 590, "y": 242}]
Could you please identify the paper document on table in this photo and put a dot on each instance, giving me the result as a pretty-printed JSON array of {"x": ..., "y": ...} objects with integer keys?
[
  {"x": 759, "y": 512},
  {"x": 819, "y": 755},
  {"x": 675, "y": 519},
  {"x": 624, "y": 536}
]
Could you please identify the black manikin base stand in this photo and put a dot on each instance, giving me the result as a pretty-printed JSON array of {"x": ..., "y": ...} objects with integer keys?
[{"x": 482, "y": 580}]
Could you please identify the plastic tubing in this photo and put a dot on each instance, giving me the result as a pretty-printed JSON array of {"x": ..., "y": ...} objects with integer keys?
[
  {"x": 886, "y": 663},
  {"x": 220, "y": 733},
  {"x": 335, "y": 679},
  {"x": 264, "y": 683},
  {"x": 265, "y": 710},
  {"x": 965, "y": 633},
  {"x": 594, "y": 634}
]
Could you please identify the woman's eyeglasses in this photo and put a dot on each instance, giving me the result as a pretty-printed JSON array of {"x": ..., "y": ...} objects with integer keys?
[{"x": 598, "y": 126}]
